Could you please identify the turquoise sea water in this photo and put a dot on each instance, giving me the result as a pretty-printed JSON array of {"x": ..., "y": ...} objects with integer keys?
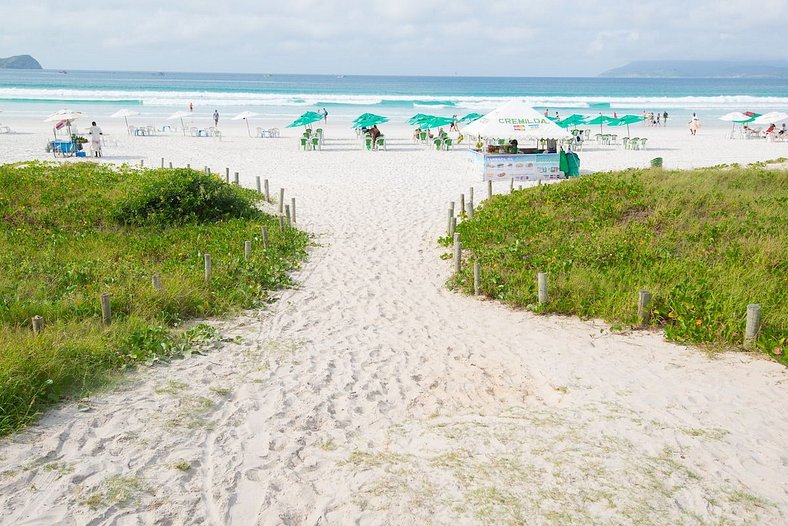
[{"x": 156, "y": 94}]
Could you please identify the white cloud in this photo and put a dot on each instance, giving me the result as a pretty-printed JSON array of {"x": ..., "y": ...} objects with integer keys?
[{"x": 565, "y": 37}]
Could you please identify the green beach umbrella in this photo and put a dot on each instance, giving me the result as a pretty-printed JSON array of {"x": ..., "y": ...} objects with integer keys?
[
  {"x": 416, "y": 119},
  {"x": 600, "y": 119},
  {"x": 470, "y": 118},
  {"x": 369, "y": 119},
  {"x": 626, "y": 120},
  {"x": 436, "y": 122},
  {"x": 306, "y": 119},
  {"x": 572, "y": 120}
]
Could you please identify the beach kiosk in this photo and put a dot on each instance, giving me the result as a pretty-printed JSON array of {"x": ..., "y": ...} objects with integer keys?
[{"x": 516, "y": 142}]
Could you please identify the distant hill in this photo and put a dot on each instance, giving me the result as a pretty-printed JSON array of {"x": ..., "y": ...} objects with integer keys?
[
  {"x": 701, "y": 69},
  {"x": 19, "y": 62}
]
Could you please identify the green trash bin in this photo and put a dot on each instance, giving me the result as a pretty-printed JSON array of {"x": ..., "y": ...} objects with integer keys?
[
  {"x": 573, "y": 164},
  {"x": 656, "y": 162}
]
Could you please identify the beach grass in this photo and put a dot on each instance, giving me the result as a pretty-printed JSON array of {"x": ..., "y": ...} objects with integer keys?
[
  {"x": 705, "y": 243},
  {"x": 71, "y": 232}
]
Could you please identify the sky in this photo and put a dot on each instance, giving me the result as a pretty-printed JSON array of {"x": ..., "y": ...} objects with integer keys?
[{"x": 389, "y": 37}]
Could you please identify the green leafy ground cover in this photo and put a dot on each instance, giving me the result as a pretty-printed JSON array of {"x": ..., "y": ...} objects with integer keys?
[
  {"x": 705, "y": 242},
  {"x": 70, "y": 232}
]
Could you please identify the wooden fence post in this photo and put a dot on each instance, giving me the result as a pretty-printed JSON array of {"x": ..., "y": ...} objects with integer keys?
[
  {"x": 282, "y": 223},
  {"x": 155, "y": 281},
  {"x": 267, "y": 193},
  {"x": 208, "y": 267},
  {"x": 644, "y": 314},
  {"x": 236, "y": 179},
  {"x": 162, "y": 162},
  {"x": 457, "y": 253},
  {"x": 106, "y": 309},
  {"x": 38, "y": 324},
  {"x": 292, "y": 208},
  {"x": 281, "y": 200},
  {"x": 227, "y": 175},
  {"x": 489, "y": 189},
  {"x": 541, "y": 279},
  {"x": 753, "y": 324},
  {"x": 247, "y": 249},
  {"x": 257, "y": 184},
  {"x": 264, "y": 232}
]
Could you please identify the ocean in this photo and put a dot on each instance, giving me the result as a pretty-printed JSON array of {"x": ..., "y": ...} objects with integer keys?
[{"x": 37, "y": 93}]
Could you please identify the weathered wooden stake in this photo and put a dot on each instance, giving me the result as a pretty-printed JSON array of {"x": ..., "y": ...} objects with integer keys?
[
  {"x": 448, "y": 222},
  {"x": 541, "y": 280},
  {"x": 267, "y": 193},
  {"x": 511, "y": 186},
  {"x": 247, "y": 249},
  {"x": 281, "y": 200},
  {"x": 208, "y": 170},
  {"x": 292, "y": 208},
  {"x": 452, "y": 226},
  {"x": 470, "y": 194},
  {"x": 227, "y": 175},
  {"x": 287, "y": 214},
  {"x": 753, "y": 323},
  {"x": 457, "y": 253},
  {"x": 188, "y": 166},
  {"x": 155, "y": 280},
  {"x": 142, "y": 163},
  {"x": 264, "y": 231},
  {"x": 470, "y": 208},
  {"x": 207, "y": 267},
  {"x": 462, "y": 204},
  {"x": 477, "y": 278},
  {"x": 282, "y": 223},
  {"x": 106, "y": 309},
  {"x": 162, "y": 162},
  {"x": 257, "y": 184},
  {"x": 170, "y": 165},
  {"x": 38, "y": 324},
  {"x": 236, "y": 178},
  {"x": 451, "y": 209},
  {"x": 489, "y": 189},
  {"x": 644, "y": 314}
]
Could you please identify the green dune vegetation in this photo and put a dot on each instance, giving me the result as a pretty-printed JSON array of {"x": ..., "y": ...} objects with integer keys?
[
  {"x": 705, "y": 243},
  {"x": 71, "y": 232}
]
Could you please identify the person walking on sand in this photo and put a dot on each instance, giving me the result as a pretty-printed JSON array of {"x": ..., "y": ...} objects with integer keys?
[
  {"x": 95, "y": 139},
  {"x": 191, "y": 107},
  {"x": 694, "y": 124},
  {"x": 216, "y": 117},
  {"x": 664, "y": 118},
  {"x": 325, "y": 116}
]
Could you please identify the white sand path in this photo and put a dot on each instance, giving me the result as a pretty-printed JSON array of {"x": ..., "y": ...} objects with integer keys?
[{"x": 371, "y": 394}]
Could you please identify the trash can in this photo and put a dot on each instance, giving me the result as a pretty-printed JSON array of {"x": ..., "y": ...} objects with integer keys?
[
  {"x": 656, "y": 162},
  {"x": 573, "y": 164}
]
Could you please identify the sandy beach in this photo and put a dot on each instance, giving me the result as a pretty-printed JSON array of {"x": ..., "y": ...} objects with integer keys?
[{"x": 371, "y": 394}]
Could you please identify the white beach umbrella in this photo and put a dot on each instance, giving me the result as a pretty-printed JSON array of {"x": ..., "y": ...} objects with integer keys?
[
  {"x": 771, "y": 118},
  {"x": 65, "y": 116},
  {"x": 180, "y": 115},
  {"x": 245, "y": 115},
  {"x": 736, "y": 116},
  {"x": 125, "y": 113},
  {"x": 516, "y": 120}
]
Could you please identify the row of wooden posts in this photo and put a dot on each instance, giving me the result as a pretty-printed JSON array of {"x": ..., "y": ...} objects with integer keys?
[
  {"x": 644, "y": 298},
  {"x": 287, "y": 216}
]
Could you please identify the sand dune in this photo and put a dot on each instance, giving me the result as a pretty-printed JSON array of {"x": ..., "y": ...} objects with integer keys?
[{"x": 370, "y": 394}]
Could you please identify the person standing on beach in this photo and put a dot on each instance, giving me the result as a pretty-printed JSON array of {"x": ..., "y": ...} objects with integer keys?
[
  {"x": 95, "y": 139},
  {"x": 664, "y": 118},
  {"x": 546, "y": 112},
  {"x": 216, "y": 117},
  {"x": 325, "y": 116},
  {"x": 191, "y": 107},
  {"x": 694, "y": 124}
]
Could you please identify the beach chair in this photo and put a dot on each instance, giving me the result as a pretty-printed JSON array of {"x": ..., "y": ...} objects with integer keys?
[
  {"x": 304, "y": 143},
  {"x": 438, "y": 143},
  {"x": 614, "y": 139},
  {"x": 315, "y": 141},
  {"x": 598, "y": 138},
  {"x": 368, "y": 142},
  {"x": 634, "y": 143},
  {"x": 4, "y": 129},
  {"x": 380, "y": 142},
  {"x": 625, "y": 142},
  {"x": 643, "y": 143},
  {"x": 447, "y": 143},
  {"x": 423, "y": 137}
]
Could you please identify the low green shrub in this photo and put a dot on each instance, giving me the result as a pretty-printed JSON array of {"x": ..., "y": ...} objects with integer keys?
[
  {"x": 706, "y": 243},
  {"x": 62, "y": 245}
]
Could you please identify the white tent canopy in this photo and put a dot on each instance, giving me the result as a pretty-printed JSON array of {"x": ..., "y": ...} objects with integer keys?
[
  {"x": 771, "y": 118},
  {"x": 515, "y": 120}
]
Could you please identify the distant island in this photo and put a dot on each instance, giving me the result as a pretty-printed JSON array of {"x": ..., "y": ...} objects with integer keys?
[
  {"x": 19, "y": 62},
  {"x": 774, "y": 69}
]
